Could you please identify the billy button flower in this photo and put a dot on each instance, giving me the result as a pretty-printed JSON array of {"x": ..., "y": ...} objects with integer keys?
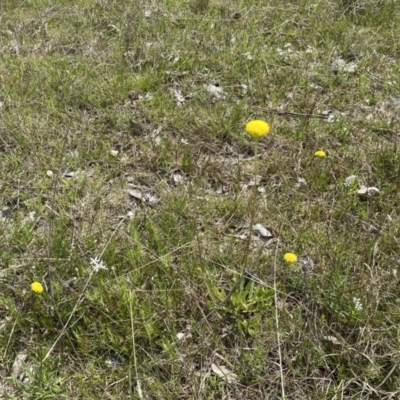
[
  {"x": 290, "y": 258},
  {"x": 37, "y": 287},
  {"x": 320, "y": 153},
  {"x": 257, "y": 128}
]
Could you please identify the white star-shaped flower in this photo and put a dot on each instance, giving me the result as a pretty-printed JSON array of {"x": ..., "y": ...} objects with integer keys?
[{"x": 97, "y": 264}]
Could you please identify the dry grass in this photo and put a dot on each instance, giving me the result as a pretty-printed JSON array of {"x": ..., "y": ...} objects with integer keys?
[{"x": 121, "y": 137}]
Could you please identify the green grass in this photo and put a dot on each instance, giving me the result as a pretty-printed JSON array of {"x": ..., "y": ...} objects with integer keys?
[{"x": 88, "y": 87}]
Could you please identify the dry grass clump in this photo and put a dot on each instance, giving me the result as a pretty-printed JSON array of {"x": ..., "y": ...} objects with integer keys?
[{"x": 149, "y": 249}]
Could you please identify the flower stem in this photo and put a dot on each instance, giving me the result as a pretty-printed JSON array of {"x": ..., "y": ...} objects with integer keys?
[{"x": 253, "y": 201}]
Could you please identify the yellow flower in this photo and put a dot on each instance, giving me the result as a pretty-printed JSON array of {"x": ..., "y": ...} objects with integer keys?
[
  {"x": 320, "y": 153},
  {"x": 290, "y": 257},
  {"x": 257, "y": 128},
  {"x": 37, "y": 287}
]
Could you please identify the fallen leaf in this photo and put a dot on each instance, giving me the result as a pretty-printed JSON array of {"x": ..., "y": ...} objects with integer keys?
[
  {"x": 262, "y": 232},
  {"x": 140, "y": 195},
  {"x": 69, "y": 174},
  {"x": 179, "y": 97},
  {"x": 178, "y": 178},
  {"x": 224, "y": 373},
  {"x": 365, "y": 192},
  {"x": 341, "y": 65},
  {"x": 216, "y": 91},
  {"x": 18, "y": 364},
  {"x": 332, "y": 339},
  {"x": 151, "y": 199},
  {"x": 253, "y": 180},
  {"x": 300, "y": 182},
  {"x": 307, "y": 264},
  {"x": 137, "y": 194}
]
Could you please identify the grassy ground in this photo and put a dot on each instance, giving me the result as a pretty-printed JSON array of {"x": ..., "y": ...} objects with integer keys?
[{"x": 122, "y": 138}]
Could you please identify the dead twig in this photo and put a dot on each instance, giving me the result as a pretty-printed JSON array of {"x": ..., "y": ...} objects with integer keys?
[{"x": 290, "y": 114}]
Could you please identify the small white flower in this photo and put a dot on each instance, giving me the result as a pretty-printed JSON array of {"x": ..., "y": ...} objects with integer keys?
[
  {"x": 349, "y": 180},
  {"x": 357, "y": 304},
  {"x": 97, "y": 264}
]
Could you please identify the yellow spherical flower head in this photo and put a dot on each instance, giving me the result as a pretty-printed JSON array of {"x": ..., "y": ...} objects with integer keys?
[
  {"x": 320, "y": 153},
  {"x": 37, "y": 287},
  {"x": 290, "y": 257},
  {"x": 257, "y": 128}
]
